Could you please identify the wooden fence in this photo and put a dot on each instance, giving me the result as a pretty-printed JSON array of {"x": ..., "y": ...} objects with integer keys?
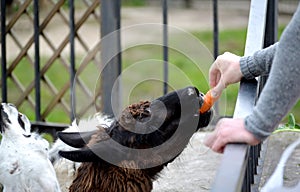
[{"x": 39, "y": 65}]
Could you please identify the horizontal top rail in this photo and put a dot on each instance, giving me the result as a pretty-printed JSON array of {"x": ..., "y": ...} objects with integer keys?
[{"x": 47, "y": 127}]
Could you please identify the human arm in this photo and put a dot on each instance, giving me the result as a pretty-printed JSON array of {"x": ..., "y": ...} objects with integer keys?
[
  {"x": 259, "y": 63},
  {"x": 280, "y": 93},
  {"x": 282, "y": 89},
  {"x": 229, "y": 68}
]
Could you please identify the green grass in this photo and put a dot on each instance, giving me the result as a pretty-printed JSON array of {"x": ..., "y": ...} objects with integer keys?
[
  {"x": 134, "y": 3},
  {"x": 194, "y": 70},
  {"x": 143, "y": 71}
]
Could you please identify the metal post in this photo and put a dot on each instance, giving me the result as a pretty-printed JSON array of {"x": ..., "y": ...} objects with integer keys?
[
  {"x": 110, "y": 53},
  {"x": 216, "y": 41},
  {"x": 165, "y": 45},
  {"x": 216, "y": 28},
  {"x": 271, "y": 33},
  {"x": 37, "y": 60},
  {"x": 72, "y": 60},
  {"x": 3, "y": 52}
]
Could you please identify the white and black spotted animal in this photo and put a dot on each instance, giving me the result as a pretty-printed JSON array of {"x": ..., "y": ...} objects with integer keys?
[{"x": 24, "y": 163}]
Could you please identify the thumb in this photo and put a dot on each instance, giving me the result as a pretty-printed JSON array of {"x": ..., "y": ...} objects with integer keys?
[{"x": 217, "y": 90}]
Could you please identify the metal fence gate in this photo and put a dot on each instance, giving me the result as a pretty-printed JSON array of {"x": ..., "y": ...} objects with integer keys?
[{"x": 30, "y": 31}]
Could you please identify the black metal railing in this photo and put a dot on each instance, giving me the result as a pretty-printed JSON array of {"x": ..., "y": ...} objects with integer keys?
[
  {"x": 3, "y": 52},
  {"x": 165, "y": 44},
  {"x": 240, "y": 169},
  {"x": 36, "y": 25}
]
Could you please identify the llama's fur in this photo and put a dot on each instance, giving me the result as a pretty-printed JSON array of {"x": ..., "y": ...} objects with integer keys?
[
  {"x": 99, "y": 174},
  {"x": 24, "y": 163},
  {"x": 64, "y": 168}
]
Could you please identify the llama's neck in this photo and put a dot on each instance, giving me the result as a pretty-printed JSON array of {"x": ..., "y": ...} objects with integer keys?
[{"x": 103, "y": 177}]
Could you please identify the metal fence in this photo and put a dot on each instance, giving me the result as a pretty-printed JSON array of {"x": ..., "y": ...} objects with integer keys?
[
  {"x": 37, "y": 91},
  {"x": 241, "y": 164}
]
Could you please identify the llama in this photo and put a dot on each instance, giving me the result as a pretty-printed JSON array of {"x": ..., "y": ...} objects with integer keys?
[
  {"x": 129, "y": 154},
  {"x": 24, "y": 163}
]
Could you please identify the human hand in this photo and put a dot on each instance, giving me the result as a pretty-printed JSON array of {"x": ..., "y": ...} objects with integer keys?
[
  {"x": 224, "y": 71},
  {"x": 229, "y": 131}
]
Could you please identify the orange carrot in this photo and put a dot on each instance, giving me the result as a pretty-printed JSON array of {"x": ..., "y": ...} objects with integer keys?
[{"x": 208, "y": 102}]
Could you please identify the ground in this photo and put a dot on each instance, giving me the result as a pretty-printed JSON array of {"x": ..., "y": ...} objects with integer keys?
[
  {"x": 276, "y": 144},
  {"x": 193, "y": 170}
]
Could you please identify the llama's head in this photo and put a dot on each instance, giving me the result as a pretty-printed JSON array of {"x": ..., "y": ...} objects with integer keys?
[
  {"x": 150, "y": 134},
  {"x": 13, "y": 122}
]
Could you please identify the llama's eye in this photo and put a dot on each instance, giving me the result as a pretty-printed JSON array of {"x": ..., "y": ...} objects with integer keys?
[{"x": 21, "y": 123}]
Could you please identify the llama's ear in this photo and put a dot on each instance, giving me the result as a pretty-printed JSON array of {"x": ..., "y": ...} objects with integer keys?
[
  {"x": 76, "y": 139},
  {"x": 107, "y": 150},
  {"x": 83, "y": 155}
]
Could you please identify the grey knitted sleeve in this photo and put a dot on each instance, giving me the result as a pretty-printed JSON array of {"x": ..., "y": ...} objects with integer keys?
[
  {"x": 282, "y": 89},
  {"x": 258, "y": 64}
]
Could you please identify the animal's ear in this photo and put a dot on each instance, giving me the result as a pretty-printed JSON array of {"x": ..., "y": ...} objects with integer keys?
[
  {"x": 76, "y": 139},
  {"x": 83, "y": 155},
  {"x": 107, "y": 150}
]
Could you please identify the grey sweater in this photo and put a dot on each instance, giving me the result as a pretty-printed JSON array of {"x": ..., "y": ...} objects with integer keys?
[{"x": 282, "y": 90}]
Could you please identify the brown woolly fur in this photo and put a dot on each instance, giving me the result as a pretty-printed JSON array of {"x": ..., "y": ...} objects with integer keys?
[
  {"x": 144, "y": 125},
  {"x": 99, "y": 177}
]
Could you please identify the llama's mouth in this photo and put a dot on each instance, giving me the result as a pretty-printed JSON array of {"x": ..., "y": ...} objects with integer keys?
[
  {"x": 204, "y": 118},
  {"x": 10, "y": 115}
]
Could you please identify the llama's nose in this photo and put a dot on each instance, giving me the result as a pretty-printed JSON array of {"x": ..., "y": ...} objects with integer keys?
[{"x": 11, "y": 105}]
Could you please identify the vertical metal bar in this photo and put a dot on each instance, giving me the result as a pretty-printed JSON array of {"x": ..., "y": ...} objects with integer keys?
[
  {"x": 216, "y": 41},
  {"x": 256, "y": 151},
  {"x": 72, "y": 60},
  {"x": 271, "y": 32},
  {"x": 165, "y": 45},
  {"x": 3, "y": 52},
  {"x": 249, "y": 173},
  {"x": 37, "y": 60},
  {"x": 216, "y": 28},
  {"x": 252, "y": 166},
  {"x": 244, "y": 186},
  {"x": 110, "y": 53}
]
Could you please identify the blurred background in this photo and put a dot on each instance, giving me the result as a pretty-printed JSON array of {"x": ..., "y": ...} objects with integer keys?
[{"x": 190, "y": 21}]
